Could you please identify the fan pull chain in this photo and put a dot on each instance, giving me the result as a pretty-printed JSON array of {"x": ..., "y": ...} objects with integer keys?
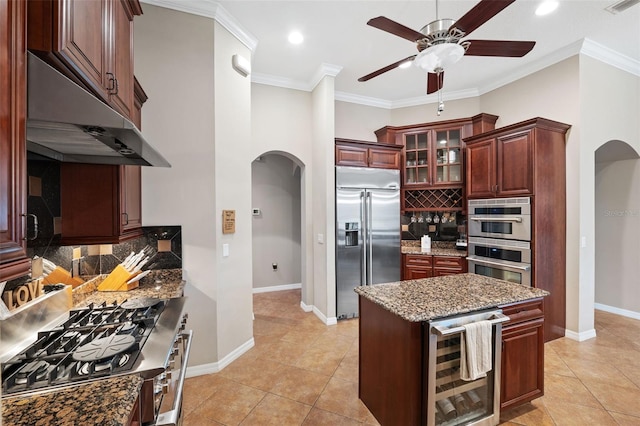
[{"x": 440, "y": 101}]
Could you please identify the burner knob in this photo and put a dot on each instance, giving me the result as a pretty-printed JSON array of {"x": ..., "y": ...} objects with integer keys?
[
  {"x": 168, "y": 375},
  {"x": 165, "y": 389}
]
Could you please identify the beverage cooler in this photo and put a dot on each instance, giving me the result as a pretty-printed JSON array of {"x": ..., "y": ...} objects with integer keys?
[{"x": 451, "y": 400}]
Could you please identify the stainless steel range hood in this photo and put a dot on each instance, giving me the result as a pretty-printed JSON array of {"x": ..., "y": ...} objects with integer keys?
[{"x": 69, "y": 124}]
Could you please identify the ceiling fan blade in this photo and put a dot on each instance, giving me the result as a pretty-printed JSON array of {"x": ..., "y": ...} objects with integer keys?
[
  {"x": 386, "y": 24},
  {"x": 385, "y": 69},
  {"x": 480, "y": 14},
  {"x": 513, "y": 49},
  {"x": 434, "y": 82}
]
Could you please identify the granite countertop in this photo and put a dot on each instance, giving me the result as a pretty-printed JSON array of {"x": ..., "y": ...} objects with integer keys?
[
  {"x": 435, "y": 251},
  {"x": 107, "y": 401},
  {"x": 163, "y": 284},
  {"x": 439, "y": 297},
  {"x": 102, "y": 402}
]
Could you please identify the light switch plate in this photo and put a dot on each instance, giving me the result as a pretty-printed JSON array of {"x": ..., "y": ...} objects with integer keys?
[
  {"x": 320, "y": 238},
  {"x": 225, "y": 250}
]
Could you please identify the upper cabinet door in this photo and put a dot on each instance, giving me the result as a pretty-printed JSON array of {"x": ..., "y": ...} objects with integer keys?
[
  {"x": 13, "y": 256},
  {"x": 81, "y": 37},
  {"x": 91, "y": 41},
  {"x": 515, "y": 164},
  {"x": 121, "y": 96},
  {"x": 481, "y": 169}
]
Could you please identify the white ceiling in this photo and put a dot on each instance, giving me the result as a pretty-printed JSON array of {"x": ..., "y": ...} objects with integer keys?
[{"x": 336, "y": 33}]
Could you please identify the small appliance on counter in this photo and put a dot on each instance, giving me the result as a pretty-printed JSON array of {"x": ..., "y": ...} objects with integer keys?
[{"x": 461, "y": 244}]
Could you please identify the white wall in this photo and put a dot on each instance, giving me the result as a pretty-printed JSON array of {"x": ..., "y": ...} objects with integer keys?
[
  {"x": 323, "y": 187},
  {"x": 232, "y": 190},
  {"x": 354, "y": 121},
  {"x": 275, "y": 190},
  {"x": 453, "y": 109},
  {"x": 177, "y": 120},
  {"x": 608, "y": 112},
  {"x": 202, "y": 126},
  {"x": 617, "y": 216},
  {"x": 281, "y": 123}
]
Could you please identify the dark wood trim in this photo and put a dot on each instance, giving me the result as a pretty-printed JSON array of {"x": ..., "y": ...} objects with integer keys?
[
  {"x": 368, "y": 144},
  {"x": 539, "y": 122}
]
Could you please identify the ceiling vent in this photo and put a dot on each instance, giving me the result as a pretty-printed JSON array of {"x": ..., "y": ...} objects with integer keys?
[{"x": 621, "y": 6}]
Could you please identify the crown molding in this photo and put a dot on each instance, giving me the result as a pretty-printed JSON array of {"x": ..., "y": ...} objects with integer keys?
[
  {"x": 288, "y": 83},
  {"x": 213, "y": 10},
  {"x": 611, "y": 57}
]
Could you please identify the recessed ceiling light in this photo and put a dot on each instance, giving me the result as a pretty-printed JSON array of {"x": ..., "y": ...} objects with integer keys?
[
  {"x": 405, "y": 64},
  {"x": 295, "y": 37},
  {"x": 546, "y": 7}
]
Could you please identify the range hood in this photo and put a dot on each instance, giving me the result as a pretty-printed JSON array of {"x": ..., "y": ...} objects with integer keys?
[{"x": 69, "y": 124}]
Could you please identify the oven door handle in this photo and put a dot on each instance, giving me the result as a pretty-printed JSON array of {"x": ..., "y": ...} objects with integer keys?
[
  {"x": 497, "y": 219},
  {"x": 488, "y": 262},
  {"x": 172, "y": 418}
]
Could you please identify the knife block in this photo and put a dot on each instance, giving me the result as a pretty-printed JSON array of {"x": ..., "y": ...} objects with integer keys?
[{"x": 117, "y": 280}]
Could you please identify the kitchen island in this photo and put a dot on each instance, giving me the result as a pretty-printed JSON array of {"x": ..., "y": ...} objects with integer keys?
[{"x": 394, "y": 343}]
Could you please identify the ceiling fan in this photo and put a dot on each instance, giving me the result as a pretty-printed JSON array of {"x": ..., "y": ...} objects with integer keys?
[{"x": 440, "y": 42}]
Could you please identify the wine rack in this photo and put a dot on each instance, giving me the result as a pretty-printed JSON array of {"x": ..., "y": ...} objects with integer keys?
[{"x": 433, "y": 199}]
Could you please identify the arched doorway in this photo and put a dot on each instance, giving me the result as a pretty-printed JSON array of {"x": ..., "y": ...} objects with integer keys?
[
  {"x": 278, "y": 234},
  {"x": 617, "y": 229}
]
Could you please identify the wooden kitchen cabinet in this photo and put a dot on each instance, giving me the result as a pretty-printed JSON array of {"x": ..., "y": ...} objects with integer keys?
[
  {"x": 89, "y": 41},
  {"x": 528, "y": 159},
  {"x": 501, "y": 167},
  {"x": 417, "y": 266},
  {"x": 522, "y": 353},
  {"x": 504, "y": 162},
  {"x": 100, "y": 204},
  {"x": 367, "y": 154},
  {"x": 13, "y": 163},
  {"x": 433, "y": 160}
]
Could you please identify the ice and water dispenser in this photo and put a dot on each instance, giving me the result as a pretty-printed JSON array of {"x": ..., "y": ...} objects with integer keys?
[{"x": 351, "y": 237}]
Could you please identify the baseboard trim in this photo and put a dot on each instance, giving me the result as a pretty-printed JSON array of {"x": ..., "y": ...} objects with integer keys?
[
  {"x": 323, "y": 318},
  {"x": 215, "y": 367},
  {"x": 305, "y": 307},
  {"x": 580, "y": 337},
  {"x": 277, "y": 288},
  {"x": 617, "y": 311}
]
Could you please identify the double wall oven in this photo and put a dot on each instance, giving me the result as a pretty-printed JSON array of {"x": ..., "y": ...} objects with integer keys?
[
  {"x": 500, "y": 239},
  {"x": 144, "y": 336}
]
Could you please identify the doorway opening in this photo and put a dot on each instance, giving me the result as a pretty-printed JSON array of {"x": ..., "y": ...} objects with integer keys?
[
  {"x": 277, "y": 231},
  {"x": 617, "y": 229}
]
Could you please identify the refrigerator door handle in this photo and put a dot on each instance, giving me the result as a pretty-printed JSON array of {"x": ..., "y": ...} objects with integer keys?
[
  {"x": 363, "y": 231},
  {"x": 369, "y": 239}
]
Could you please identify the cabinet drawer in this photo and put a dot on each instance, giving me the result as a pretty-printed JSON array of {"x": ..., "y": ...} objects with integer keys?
[
  {"x": 448, "y": 262},
  {"x": 418, "y": 260},
  {"x": 523, "y": 311}
]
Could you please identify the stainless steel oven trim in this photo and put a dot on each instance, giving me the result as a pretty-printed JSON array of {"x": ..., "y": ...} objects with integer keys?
[
  {"x": 521, "y": 230},
  {"x": 522, "y": 268},
  {"x": 173, "y": 417},
  {"x": 505, "y": 264},
  {"x": 516, "y": 219},
  {"x": 524, "y": 247}
]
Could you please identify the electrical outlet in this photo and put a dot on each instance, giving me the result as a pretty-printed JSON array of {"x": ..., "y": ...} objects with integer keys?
[{"x": 274, "y": 266}]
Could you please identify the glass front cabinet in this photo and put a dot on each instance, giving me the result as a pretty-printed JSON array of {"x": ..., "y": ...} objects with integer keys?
[{"x": 434, "y": 157}]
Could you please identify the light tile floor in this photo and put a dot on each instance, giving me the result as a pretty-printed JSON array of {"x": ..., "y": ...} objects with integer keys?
[{"x": 301, "y": 372}]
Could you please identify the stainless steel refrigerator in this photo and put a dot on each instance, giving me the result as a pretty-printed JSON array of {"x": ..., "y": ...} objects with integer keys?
[{"x": 367, "y": 232}]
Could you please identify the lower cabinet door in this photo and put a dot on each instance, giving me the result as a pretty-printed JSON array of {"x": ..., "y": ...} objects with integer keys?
[
  {"x": 522, "y": 363},
  {"x": 416, "y": 273}
]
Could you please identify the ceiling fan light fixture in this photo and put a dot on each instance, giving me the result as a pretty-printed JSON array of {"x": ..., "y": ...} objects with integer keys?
[{"x": 437, "y": 57}]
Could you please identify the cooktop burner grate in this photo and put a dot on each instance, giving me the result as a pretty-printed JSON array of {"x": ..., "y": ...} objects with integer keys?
[{"x": 95, "y": 341}]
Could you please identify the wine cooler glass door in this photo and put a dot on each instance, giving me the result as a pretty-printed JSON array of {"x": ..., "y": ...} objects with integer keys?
[{"x": 451, "y": 400}]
